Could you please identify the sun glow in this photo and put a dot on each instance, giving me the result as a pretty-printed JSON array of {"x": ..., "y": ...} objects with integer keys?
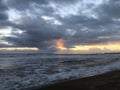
[
  {"x": 111, "y": 46},
  {"x": 20, "y": 48},
  {"x": 87, "y": 49},
  {"x": 60, "y": 44}
]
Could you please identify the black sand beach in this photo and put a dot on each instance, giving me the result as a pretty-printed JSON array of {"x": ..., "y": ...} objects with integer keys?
[{"x": 107, "y": 81}]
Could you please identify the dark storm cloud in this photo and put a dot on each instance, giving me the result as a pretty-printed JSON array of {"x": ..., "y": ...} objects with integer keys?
[
  {"x": 65, "y": 1},
  {"x": 2, "y": 6},
  {"x": 4, "y": 15},
  {"x": 110, "y": 9},
  {"x": 37, "y": 34},
  {"x": 89, "y": 29},
  {"x": 99, "y": 25},
  {"x": 24, "y": 4}
]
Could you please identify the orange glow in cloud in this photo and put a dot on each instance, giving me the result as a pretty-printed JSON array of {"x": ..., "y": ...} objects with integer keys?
[
  {"x": 20, "y": 48},
  {"x": 60, "y": 44}
]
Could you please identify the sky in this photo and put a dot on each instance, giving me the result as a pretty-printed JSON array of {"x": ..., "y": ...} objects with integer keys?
[{"x": 60, "y": 26}]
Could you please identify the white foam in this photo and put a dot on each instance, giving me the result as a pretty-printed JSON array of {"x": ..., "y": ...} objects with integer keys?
[
  {"x": 9, "y": 80},
  {"x": 85, "y": 72}
]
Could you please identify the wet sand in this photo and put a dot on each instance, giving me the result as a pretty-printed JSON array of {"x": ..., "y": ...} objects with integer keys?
[{"x": 107, "y": 81}]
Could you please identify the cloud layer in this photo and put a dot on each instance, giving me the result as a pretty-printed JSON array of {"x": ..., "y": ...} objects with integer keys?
[{"x": 38, "y": 23}]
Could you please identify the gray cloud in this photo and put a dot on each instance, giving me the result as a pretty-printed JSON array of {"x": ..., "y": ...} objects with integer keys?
[
  {"x": 110, "y": 9},
  {"x": 24, "y": 4},
  {"x": 37, "y": 34},
  {"x": 82, "y": 25},
  {"x": 3, "y": 8},
  {"x": 3, "y": 14}
]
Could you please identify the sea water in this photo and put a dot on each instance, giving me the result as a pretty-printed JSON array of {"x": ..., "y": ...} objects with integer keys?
[{"x": 19, "y": 71}]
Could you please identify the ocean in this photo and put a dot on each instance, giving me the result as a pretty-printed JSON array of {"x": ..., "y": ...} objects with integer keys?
[{"x": 19, "y": 71}]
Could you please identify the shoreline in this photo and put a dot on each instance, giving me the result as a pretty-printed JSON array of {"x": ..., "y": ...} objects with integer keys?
[{"x": 107, "y": 81}]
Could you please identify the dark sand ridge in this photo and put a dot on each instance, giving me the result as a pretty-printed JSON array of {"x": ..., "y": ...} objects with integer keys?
[{"x": 107, "y": 81}]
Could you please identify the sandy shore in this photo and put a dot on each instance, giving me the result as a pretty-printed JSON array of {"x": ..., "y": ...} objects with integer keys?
[{"x": 107, "y": 81}]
